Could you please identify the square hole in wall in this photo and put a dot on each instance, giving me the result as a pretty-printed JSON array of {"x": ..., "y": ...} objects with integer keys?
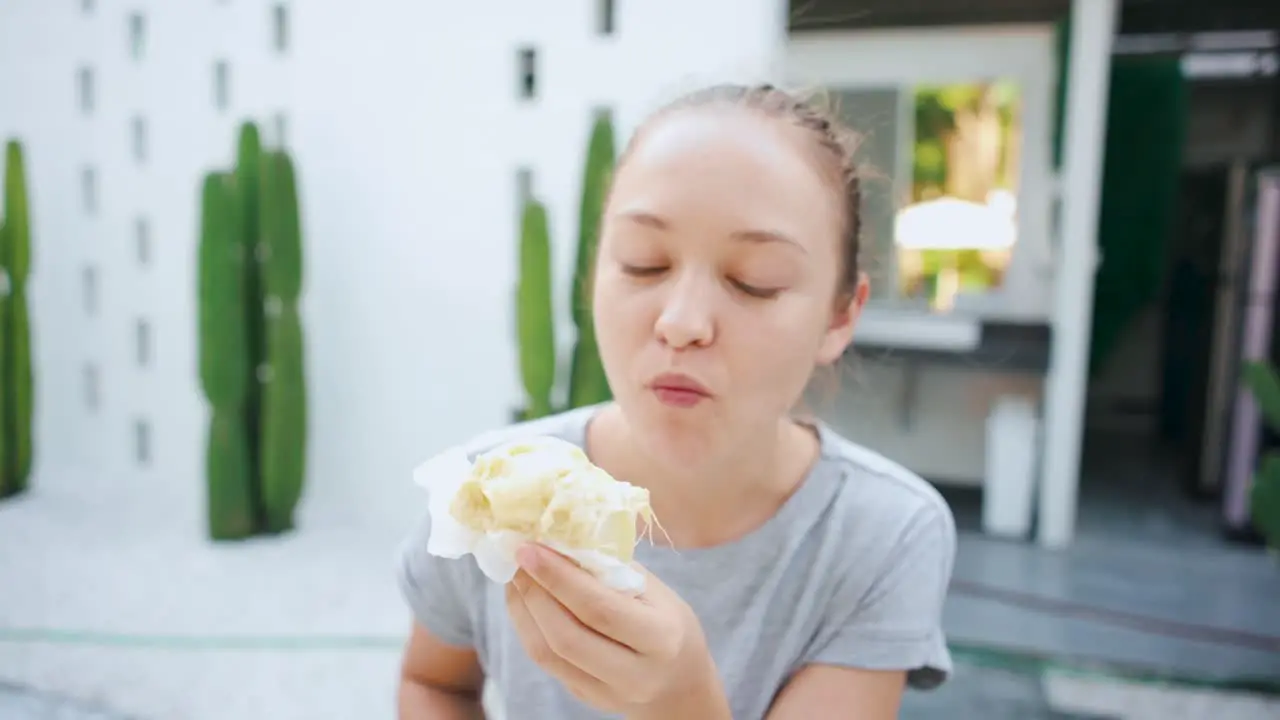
[
  {"x": 524, "y": 187},
  {"x": 89, "y": 289},
  {"x": 142, "y": 239},
  {"x": 281, "y": 126},
  {"x": 137, "y": 34},
  {"x": 92, "y": 391},
  {"x": 139, "y": 135},
  {"x": 605, "y": 16},
  {"x": 527, "y": 67},
  {"x": 280, "y": 27},
  {"x": 142, "y": 341},
  {"x": 221, "y": 85},
  {"x": 89, "y": 189},
  {"x": 142, "y": 441},
  {"x": 84, "y": 89}
]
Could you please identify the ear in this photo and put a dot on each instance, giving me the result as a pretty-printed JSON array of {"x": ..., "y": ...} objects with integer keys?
[{"x": 840, "y": 331}]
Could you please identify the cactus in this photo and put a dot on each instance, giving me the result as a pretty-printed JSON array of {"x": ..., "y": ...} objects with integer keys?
[
  {"x": 248, "y": 197},
  {"x": 587, "y": 382},
  {"x": 224, "y": 361},
  {"x": 284, "y": 398},
  {"x": 252, "y": 349},
  {"x": 16, "y": 447},
  {"x": 534, "y": 312},
  {"x": 1264, "y": 500}
]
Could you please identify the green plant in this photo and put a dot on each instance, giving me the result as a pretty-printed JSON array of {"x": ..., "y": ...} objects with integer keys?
[
  {"x": 535, "y": 315},
  {"x": 252, "y": 365},
  {"x": 16, "y": 377},
  {"x": 535, "y": 319},
  {"x": 1264, "y": 384}
]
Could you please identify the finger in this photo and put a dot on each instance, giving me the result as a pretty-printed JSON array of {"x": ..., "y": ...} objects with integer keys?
[
  {"x": 610, "y": 662},
  {"x": 582, "y": 684},
  {"x": 623, "y": 619}
]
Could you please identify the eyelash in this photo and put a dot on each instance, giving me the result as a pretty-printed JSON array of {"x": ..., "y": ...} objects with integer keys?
[{"x": 750, "y": 290}]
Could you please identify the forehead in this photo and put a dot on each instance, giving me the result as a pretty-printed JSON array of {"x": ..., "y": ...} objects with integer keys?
[{"x": 734, "y": 169}]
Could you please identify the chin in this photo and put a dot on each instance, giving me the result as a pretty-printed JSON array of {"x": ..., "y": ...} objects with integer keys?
[{"x": 679, "y": 436}]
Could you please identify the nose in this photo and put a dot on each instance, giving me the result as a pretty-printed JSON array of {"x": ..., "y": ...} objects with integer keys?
[{"x": 687, "y": 316}]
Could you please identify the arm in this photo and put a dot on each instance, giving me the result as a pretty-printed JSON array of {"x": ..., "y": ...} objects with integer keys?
[
  {"x": 439, "y": 681},
  {"x": 440, "y": 673},
  {"x": 816, "y": 689},
  {"x": 875, "y": 642}
]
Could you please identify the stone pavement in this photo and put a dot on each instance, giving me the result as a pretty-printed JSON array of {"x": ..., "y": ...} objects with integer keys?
[{"x": 976, "y": 693}]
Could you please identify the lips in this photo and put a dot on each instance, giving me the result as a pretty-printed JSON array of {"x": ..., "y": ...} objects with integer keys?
[
  {"x": 681, "y": 382},
  {"x": 678, "y": 390}
]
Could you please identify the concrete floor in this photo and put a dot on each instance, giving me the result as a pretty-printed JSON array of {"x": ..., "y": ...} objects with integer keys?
[{"x": 1149, "y": 583}]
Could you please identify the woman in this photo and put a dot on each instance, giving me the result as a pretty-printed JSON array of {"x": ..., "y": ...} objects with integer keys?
[{"x": 805, "y": 576}]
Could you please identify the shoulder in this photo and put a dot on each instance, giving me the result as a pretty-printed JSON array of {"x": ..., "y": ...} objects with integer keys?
[
  {"x": 881, "y": 492},
  {"x": 890, "y": 544}
]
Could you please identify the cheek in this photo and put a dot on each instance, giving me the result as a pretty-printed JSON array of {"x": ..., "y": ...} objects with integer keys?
[
  {"x": 779, "y": 346},
  {"x": 619, "y": 316}
]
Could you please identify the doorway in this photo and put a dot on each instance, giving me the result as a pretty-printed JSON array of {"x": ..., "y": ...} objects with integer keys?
[{"x": 1174, "y": 214}]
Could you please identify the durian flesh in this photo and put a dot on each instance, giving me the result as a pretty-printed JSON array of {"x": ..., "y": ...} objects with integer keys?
[{"x": 547, "y": 489}]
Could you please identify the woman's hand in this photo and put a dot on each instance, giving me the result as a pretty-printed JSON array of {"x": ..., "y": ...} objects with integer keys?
[{"x": 640, "y": 656}]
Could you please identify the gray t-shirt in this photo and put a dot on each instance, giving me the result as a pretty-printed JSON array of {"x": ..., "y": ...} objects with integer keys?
[{"x": 851, "y": 571}]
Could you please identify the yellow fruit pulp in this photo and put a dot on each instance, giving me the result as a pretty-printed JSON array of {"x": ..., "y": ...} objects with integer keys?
[{"x": 547, "y": 489}]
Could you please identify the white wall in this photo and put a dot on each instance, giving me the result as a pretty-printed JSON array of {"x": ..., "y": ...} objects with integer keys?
[{"x": 407, "y": 133}]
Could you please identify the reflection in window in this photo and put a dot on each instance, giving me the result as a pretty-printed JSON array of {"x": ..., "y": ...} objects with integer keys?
[
  {"x": 939, "y": 196},
  {"x": 957, "y": 233}
]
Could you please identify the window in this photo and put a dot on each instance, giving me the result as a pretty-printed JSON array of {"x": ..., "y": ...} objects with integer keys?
[
  {"x": 142, "y": 339},
  {"x": 92, "y": 397},
  {"x": 137, "y": 34},
  {"x": 280, "y": 26},
  {"x": 89, "y": 189},
  {"x": 140, "y": 139},
  {"x": 955, "y": 132},
  {"x": 605, "y": 12},
  {"x": 142, "y": 239},
  {"x": 528, "y": 72},
  {"x": 89, "y": 288},
  {"x": 221, "y": 85},
  {"x": 84, "y": 88},
  {"x": 142, "y": 441}
]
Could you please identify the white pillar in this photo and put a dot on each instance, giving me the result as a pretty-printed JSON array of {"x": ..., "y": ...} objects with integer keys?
[{"x": 1092, "y": 36}]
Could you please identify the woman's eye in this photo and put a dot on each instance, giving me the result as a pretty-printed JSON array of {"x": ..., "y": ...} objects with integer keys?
[
  {"x": 756, "y": 292},
  {"x": 643, "y": 270}
]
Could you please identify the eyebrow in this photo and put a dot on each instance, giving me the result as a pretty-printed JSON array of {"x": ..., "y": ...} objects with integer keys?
[{"x": 650, "y": 220}]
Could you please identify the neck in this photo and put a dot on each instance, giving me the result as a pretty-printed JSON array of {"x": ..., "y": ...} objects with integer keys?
[{"x": 716, "y": 501}]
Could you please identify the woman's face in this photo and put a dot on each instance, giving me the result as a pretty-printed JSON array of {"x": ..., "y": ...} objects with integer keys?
[{"x": 717, "y": 268}]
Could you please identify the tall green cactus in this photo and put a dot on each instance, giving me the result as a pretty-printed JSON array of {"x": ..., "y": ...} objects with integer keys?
[
  {"x": 534, "y": 312},
  {"x": 17, "y": 399},
  {"x": 587, "y": 382},
  {"x": 248, "y": 176},
  {"x": 284, "y": 399},
  {"x": 252, "y": 349},
  {"x": 535, "y": 315},
  {"x": 225, "y": 373}
]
